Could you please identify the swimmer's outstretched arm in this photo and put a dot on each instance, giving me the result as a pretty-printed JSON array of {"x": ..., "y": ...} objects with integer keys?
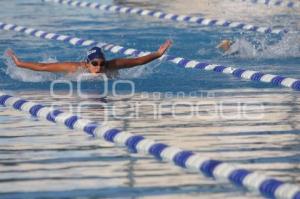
[
  {"x": 48, "y": 67},
  {"x": 132, "y": 62}
]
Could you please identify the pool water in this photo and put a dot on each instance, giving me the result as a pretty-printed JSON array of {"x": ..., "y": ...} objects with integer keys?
[{"x": 219, "y": 116}]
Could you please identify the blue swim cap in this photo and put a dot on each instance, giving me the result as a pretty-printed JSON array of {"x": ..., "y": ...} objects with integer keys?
[{"x": 95, "y": 53}]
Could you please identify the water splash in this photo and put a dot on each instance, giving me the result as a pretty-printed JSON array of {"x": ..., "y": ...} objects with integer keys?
[
  {"x": 289, "y": 46},
  {"x": 140, "y": 71},
  {"x": 26, "y": 75}
]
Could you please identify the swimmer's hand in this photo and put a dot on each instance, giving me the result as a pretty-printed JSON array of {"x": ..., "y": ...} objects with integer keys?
[
  {"x": 10, "y": 53},
  {"x": 163, "y": 48}
]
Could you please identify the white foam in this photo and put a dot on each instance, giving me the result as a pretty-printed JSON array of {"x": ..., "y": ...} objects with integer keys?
[{"x": 26, "y": 75}]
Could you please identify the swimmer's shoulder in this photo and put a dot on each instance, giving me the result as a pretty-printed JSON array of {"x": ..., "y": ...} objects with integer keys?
[
  {"x": 111, "y": 71},
  {"x": 73, "y": 67},
  {"x": 111, "y": 64}
]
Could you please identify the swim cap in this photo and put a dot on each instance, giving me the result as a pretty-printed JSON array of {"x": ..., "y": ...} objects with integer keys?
[
  {"x": 95, "y": 53},
  {"x": 225, "y": 45}
]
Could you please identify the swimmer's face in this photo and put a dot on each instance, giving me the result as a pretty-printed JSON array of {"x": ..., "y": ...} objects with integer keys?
[{"x": 96, "y": 66}]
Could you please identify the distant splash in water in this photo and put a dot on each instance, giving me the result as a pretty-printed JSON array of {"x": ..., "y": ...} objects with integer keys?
[
  {"x": 287, "y": 47},
  {"x": 26, "y": 75}
]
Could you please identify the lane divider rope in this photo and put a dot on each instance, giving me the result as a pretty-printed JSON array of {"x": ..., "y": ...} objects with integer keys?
[
  {"x": 254, "y": 181},
  {"x": 168, "y": 16},
  {"x": 182, "y": 62},
  {"x": 279, "y": 3}
]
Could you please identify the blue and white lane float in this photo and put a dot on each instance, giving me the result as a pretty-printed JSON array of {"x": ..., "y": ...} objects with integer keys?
[
  {"x": 169, "y": 16},
  {"x": 182, "y": 62},
  {"x": 254, "y": 181},
  {"x": 279, "y": 3}
]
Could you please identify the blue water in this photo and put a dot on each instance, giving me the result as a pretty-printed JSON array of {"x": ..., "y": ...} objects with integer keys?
[
  {"x": 38, "y": 159},
  {"x": 190, "y": 41}
]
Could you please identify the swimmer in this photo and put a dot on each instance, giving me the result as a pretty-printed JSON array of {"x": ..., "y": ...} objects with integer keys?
[
  {"x": 225, "y": 45},
  {"x": 239, "y": 47},
  {"x": 229, "y": 47},
  {"x": 95, "y": 62}
]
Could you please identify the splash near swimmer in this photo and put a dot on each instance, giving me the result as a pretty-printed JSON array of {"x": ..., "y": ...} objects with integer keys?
[{"x": 242, "y": 48}]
